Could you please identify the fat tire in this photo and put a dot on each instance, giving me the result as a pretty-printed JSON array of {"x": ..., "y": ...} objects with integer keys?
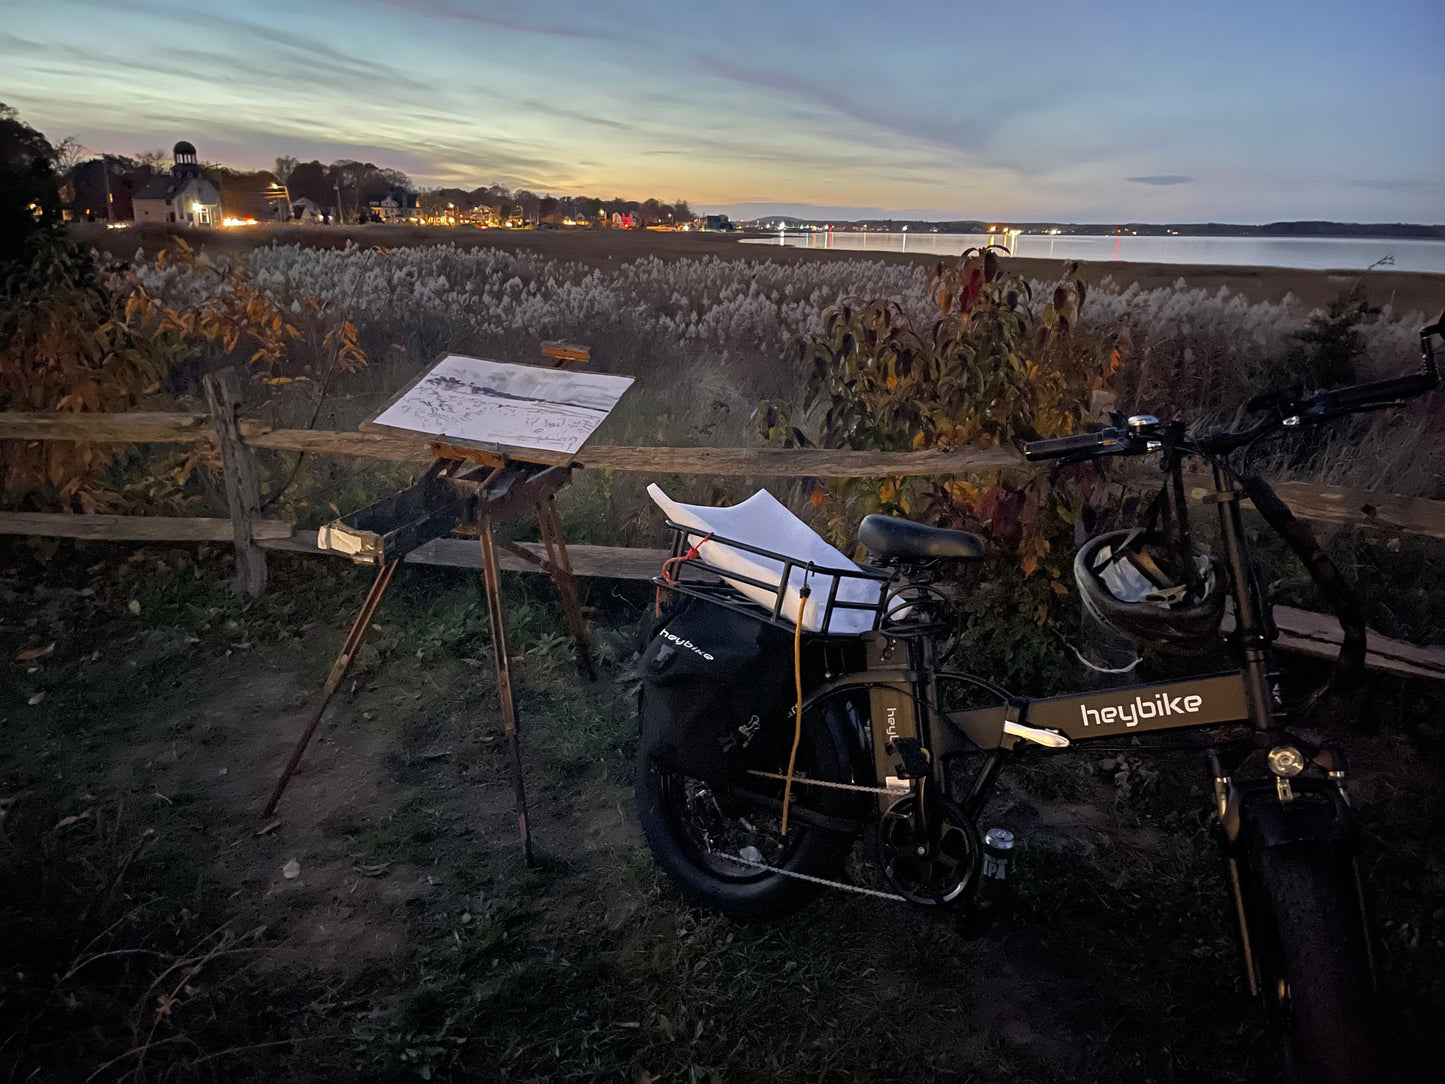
[
  {"x": 752, "y": 896},
  {"x": 1314, "y": 943}
]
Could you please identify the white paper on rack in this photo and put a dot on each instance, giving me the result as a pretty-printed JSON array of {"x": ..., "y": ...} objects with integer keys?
[{"x": 763, "y": 522}]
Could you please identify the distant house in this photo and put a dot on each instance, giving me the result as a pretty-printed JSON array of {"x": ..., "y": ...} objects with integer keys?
[
  {"x": 184, "y": 196},
  {"x": 717, "y": 222},
  {"x": 394, "y": 206},
  {"x": 103, "y": 190},
  {"x": 307, "y": 211}
]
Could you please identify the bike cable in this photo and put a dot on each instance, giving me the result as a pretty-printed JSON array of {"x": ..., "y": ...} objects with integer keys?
[{"x": 798, "y": 711}]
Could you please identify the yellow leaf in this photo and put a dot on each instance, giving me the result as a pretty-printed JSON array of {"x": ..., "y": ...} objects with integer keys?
[{"x": 962, "y": 492}]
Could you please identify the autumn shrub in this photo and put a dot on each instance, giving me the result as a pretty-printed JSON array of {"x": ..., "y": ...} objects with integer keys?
[
  {"x": 990, "y": 371},
  {"x": 77, "y": 338},
  {"x": 995, "y": 368}
]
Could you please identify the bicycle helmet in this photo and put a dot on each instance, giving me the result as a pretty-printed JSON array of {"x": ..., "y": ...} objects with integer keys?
[{"x": 1132, "y": 583}]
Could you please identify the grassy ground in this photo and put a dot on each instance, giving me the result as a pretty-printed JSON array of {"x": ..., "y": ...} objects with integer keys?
[{"x": 154, "y": 927}]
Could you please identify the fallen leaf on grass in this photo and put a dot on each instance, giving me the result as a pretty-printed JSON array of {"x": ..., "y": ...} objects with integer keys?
[
  {"x": 268, "y": 828},
  {"x": 133, "y": 606},
  {"x": 35, "y": 699},
  {"x": 373, "y": 871},
  {"x": 66, "y": 822},
  {"x": 291, "y": 870},
  {"x": 36, "y": 653}
]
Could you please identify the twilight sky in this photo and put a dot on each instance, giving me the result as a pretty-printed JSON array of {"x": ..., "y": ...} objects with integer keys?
[{"x": 1156, "y": 110}]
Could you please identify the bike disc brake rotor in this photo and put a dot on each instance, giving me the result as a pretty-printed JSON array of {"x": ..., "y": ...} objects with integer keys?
[{"x": 904, "y": 856}]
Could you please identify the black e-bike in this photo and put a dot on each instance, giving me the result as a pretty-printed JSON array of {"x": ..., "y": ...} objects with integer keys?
[{"x": 763, "y": 821}]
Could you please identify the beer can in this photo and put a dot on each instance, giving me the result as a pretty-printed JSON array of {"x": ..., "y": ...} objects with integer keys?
[{"x": 998, "y": 849}]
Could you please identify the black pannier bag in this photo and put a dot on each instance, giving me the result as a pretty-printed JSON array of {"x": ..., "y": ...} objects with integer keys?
[{"x": 717, "y": 691}]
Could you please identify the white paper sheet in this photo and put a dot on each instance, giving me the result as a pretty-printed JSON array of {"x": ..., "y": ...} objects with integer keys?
[
  {"x": 518, "y": 406},
  {"x": 763, "y": 522}
]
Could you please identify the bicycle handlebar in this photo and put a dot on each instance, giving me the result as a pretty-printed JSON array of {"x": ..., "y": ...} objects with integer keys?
[
  {"x": 1143, "y": 434},
  {"x": 1094, "y": 443}
]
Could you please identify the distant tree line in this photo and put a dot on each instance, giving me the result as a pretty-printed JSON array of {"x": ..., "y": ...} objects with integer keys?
[
  {"x": 530, "y": 208},
  {"x": 103, "y": 188}
]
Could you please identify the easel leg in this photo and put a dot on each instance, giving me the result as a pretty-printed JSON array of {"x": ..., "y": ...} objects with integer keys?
[
  {"x": 333, "y": 681},
  {"x": 492, "y": 578},
  {"x": 560, "y": 567}
]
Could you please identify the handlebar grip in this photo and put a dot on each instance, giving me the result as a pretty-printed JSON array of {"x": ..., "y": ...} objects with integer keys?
[
  {"x": 1380, "y": 392},
  {"x": 1059, "y": 447}
]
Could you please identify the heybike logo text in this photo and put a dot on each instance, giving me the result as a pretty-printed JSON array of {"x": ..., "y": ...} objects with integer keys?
[
  {"x": 1132, "y": 714},
  {"x": 680, "y": 642}
]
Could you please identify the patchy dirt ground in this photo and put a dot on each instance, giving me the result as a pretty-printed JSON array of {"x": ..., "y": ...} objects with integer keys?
[{"x": 383, "y": 925}]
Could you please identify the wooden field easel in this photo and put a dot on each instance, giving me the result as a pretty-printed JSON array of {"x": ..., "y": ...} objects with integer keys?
[{"x": 466, "y": 488}]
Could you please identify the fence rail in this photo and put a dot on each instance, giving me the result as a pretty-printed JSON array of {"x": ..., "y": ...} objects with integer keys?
[
  {"x": 1331, "y": 504},
  {"x": 1301, "y": 631}
]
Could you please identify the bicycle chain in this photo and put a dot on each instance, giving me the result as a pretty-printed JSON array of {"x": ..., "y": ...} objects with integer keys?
[
  {"x": 859, "y": 889},
  {"x": 802, "y": 779},
  {"x": 806, "y": 876}
]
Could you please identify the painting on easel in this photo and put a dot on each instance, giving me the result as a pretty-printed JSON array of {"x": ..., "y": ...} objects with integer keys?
[{"x": 499, "y": 407}]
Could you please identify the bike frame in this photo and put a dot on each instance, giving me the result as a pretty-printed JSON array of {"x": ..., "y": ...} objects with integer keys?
[
  {"x": 903, "y": 677},
  {"x": 914, "y": 740}
]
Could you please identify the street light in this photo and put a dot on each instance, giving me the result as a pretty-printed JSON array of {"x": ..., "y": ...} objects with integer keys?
[{"x": 277, "y": 191}]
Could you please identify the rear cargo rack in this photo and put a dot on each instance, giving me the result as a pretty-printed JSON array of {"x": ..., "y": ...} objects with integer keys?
[{"x": 702, "y": 579}]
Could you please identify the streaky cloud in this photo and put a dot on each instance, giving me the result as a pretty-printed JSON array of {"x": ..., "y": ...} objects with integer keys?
[
  {"x": 1162, "y": 180},
  {"x": 459, "y": 12}
]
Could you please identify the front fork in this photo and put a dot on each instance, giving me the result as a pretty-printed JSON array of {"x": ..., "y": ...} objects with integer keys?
[{"x": 1261, "y": 810}]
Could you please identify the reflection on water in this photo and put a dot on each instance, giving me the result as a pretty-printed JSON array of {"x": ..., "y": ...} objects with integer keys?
[{"x": 1314, "y": 253}]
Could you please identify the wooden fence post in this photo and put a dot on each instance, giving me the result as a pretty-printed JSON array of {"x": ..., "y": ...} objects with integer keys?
[{"x": 243, "y": 488}]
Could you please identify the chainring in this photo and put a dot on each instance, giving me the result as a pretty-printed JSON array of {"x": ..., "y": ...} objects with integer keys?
[{"x": 939, "y": 875}]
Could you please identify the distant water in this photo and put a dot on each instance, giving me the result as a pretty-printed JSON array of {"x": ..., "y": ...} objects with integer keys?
[{"x": 1312, "y": 253}]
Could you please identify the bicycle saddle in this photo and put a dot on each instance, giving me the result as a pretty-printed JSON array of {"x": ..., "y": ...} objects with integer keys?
[{"x": 890, "y": 538}]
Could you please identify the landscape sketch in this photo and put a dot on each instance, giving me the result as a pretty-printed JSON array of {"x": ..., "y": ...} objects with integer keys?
[{"x": 495, "y": 403}]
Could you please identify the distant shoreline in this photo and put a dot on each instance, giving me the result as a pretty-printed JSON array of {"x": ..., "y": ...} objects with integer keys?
[{"x": 1378, "y": 231}]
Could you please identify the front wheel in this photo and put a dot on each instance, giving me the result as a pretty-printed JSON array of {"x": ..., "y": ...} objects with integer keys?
[
  {"x": 1314, "y": 962},
  {"x": 720, "y": 844}
]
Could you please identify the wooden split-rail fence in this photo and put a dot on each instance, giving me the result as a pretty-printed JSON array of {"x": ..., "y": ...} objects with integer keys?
[{"x": 236, "y": 437}]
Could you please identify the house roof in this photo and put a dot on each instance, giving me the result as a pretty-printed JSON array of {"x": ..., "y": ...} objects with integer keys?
[
  {"x": 169, "y": 187},
  {"x": 161, "y": 187},
  {"x": 400, "y": 200}
]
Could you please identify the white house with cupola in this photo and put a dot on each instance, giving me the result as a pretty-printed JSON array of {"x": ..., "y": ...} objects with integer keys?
[{"x": 184, "y": 197}]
